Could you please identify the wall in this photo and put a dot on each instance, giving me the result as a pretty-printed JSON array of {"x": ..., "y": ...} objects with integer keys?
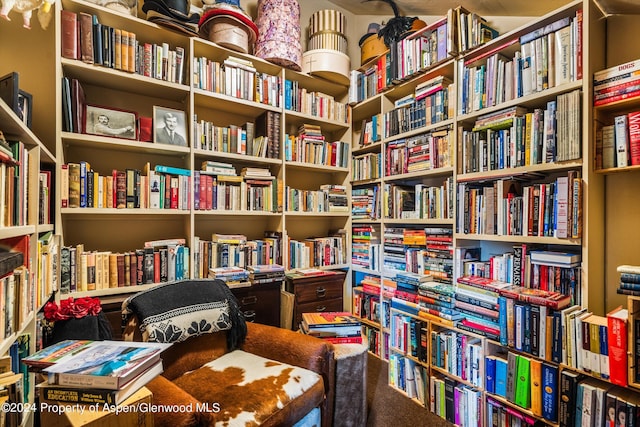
[{"x": 622, "y": 190}]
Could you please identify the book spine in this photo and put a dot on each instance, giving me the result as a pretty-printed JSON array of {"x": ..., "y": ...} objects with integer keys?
[
  {"x": 550, "y": 392},
  {"x": 78, "y": 395}
]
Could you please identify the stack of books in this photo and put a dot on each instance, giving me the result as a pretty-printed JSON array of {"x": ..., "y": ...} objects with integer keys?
[
  {"x": 234, "y": 277},
  {"x": 629, "y": 280},
  {"x": 260, "y": 274},
  {"x": 337, "y": 327},
  {"x": 96, "y": 372},
  {"x": 616, "y": 83}
]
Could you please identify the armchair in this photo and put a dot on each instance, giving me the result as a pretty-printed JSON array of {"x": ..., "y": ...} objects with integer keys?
[{"x": 262, "y": 375}]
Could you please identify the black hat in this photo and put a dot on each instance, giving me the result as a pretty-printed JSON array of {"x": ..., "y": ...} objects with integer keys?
[{"x": 171, "y": 9}]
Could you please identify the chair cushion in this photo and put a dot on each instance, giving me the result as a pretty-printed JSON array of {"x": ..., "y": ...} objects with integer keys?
[{"x": 253, "y": 390}]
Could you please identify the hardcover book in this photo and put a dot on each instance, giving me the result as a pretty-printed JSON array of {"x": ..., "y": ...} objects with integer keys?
[
  {"x": 105, "y": 364},
  {"x": 617, "y": 345},
  {"x": 69, "y": 394}
]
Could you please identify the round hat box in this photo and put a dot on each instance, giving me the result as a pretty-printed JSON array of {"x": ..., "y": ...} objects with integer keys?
[
  {"x": 226, "y": 32},
  {"x": 328, "y": 64},
  {"x": 372, "y": 47}
]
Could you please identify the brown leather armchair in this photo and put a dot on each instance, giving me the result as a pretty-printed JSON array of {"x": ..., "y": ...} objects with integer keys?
[{"x": 275, "y": 377}]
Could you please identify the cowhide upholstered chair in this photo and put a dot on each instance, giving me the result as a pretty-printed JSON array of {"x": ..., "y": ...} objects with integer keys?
[{"x": 227, "y": 372}]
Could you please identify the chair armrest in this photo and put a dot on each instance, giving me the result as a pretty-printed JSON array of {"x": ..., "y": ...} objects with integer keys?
[
  {"x": 167, "y": 393},
  {"x": 296, "y": 349}
]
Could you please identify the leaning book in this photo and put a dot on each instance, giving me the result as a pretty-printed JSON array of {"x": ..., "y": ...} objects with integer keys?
[{"x": 105, "y": 364}]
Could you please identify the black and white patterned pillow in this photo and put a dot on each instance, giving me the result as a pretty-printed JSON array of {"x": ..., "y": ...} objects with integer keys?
[{"x": 175, "y": 311}]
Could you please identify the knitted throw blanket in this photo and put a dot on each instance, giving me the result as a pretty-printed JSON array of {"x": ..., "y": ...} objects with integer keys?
[{"x": 173, "y": 312}]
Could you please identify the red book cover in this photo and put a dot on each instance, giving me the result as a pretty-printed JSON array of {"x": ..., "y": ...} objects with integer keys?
[
  {"x": 209, "y": 193},
  {"x": 120, "y": 264},
  {"x": 174, "y": 192},
  {"x": 634, "y": 137},
  {"x": 344, "y": 340},
  {"x": 203, "y": 192},
  {"x": 121, "y": 189},
  {"x": 133, "y": 268},
  {"x": 616, "y": 98},
  {"x": 617, "y": 345},
  {"x": 69, "y": 34},
  {"x": 156, "y": 267}
]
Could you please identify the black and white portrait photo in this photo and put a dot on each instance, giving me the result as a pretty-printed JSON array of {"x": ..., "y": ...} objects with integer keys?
[
  {"x": 110, "y": 122},
  {"x": 169, "y": 126}
]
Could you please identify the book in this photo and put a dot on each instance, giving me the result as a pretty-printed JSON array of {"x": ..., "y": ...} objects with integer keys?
[
  {"x": 105, "y": 364},
  {"x": 550, "y": 392},
  {"x": 617, "y": 345},
  {"x": 555, "y": 258},
  {"x": 522, "y": 395},
  {"x": 68, "y": 394},
  {"x": 50, "y": 355},
  {"x": 622, "y": 141},
  {"x": 9, "y": 261},
  {"x": 69, "y": 39},
  {"x": 329, "y": 319}
]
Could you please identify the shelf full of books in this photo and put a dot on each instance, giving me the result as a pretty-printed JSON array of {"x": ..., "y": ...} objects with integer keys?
[{"x": 616, "y": 115}]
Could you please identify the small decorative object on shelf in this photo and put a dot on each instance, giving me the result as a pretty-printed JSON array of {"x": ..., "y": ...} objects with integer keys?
[
  {"x": 81, "y": 318},
  {"x": 170, "y": 126},
  {"x": 398, "y": 26},
  {"x": 279, "y": 33},
  {"x": 224, "y": 22},
  {"x": 26, "y": 8}
]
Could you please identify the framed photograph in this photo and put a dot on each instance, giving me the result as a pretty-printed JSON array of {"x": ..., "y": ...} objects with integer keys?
[
  {"x": 107, "y": 121},
  {"x": 9, "y": 91},
  {"x": 169, "y": 126},
  {"x": 25, "y": 104}
]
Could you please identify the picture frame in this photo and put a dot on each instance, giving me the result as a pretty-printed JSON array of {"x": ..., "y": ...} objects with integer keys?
[
  {"x": 25, "y": 106},
  {"x": 9, "y": 88},
  {"x": 163, "y": 119},
  {"x": 109, "y": 121}
]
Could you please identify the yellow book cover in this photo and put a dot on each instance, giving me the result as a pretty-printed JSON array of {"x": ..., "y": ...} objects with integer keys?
[
  {"x": 527, "y": 138},
  {"x": 536, "y": 387},
  {"x": 118, "y": 51}
]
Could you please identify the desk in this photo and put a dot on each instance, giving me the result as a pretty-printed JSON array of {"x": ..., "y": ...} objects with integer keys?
[{"x": 76, "y": 417}]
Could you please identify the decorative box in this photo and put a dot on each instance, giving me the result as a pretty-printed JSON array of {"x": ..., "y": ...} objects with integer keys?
[
  {"x": 372, "y": 47},
  {"x": 328, "y": 64},
  {"x": 279, "y": 33},
  {"x": 226, "y": 32}
]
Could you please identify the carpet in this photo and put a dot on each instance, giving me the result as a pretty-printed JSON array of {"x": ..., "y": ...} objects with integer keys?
[{"x": 388, "y": 407}]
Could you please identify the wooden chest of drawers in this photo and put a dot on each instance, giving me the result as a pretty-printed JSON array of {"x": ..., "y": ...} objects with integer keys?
[
  {"x": 260, "y": 303},
  {"x": 315, "y": 293}
]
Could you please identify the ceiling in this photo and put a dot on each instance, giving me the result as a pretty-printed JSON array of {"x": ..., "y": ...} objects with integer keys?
[{"x": 482, "y": 7}]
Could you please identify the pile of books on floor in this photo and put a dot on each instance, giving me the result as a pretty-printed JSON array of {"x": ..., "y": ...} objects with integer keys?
[
  {"x": 260, "y": 274},
  {"x": 234, "y": 277},
  {"x": 338, "y": 327},
  {"x": 84, "y": 371}
]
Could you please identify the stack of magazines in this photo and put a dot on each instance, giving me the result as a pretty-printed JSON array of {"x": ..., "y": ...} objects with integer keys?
[{"x": 104, "y": 372}]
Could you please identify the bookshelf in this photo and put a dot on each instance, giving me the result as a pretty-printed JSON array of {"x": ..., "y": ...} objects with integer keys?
[
  {"x": 210, "y": 110},
  {"x": 471, "y": 176},
  {"x": 23, "y": 292}
]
